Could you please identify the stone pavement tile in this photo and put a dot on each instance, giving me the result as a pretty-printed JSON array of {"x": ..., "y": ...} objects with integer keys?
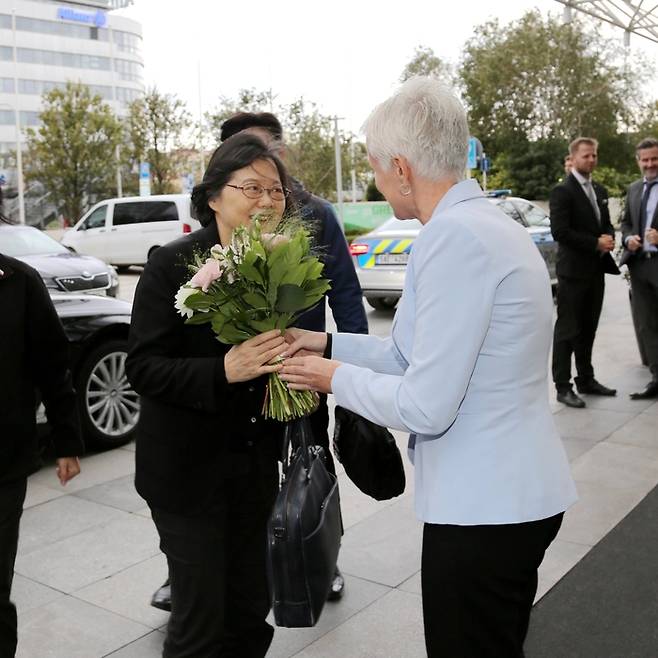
[
  {"x": 576, "y": 447},
  {"x": 129, "y": 446},
  {"x": 618, "y": 466},
  {"x": 58, "y": 519},
  {"x": 589, "y": 423},
  {"x": 560, "y": 557},
  {"x": 68, "y": 628},
  {"x": 149, "y": 646},
  {"x": 119, "y": 493},
  {"x": 640, "y": 431},
  {"x": 392, "y": 627},
  {"x": 653, "y": 409},
  {"x": 597, "y": 511},
  {"x": 128, "y": 592},
  {"x": 89, "y": 556},
  {"x": 37, "y": 493},
  {"x": 620, "y": 402},
  {"x": 95, "y": 469},
  {"x": 359, "y": 594},
  {"x": 385, "y": 548},
  {"x": 412, "y": 584},
  {"x": 28, "y": 594}
]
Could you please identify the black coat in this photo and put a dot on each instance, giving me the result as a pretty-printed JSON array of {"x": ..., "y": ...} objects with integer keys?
[
  {"x": 195, "y": 428},
  {"x": 576, "y": 229},
  {"x": 34, "y": 355},
  {"x": 630, "y": 224}
]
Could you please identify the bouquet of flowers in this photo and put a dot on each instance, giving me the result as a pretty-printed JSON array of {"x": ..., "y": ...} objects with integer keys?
[{"x": 260, "y": 281}]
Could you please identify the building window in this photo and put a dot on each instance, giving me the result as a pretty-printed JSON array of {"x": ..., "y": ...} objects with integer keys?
[
  {"x": 30, "y": 119},
  {"x": 7, "y": 117},
  {"x": 7, "y": 85},
  {"x": 60, "y": 29},
  {"x": 54, "y": 58},
  {"x": 5, "y": 22},
  {"x": 6, "y": 53},
  {"x": 128, "y": 70}
]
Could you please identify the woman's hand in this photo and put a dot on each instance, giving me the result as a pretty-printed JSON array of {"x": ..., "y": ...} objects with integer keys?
[
  {"x": 302, "y": 342},
  {"x": 67, "y": 468},
  {"x": 250, "y": 359},
  {"x": 309, "y": 373}
]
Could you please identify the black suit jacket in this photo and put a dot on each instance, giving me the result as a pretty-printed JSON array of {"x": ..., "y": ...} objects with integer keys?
[
  {"x": 630, "y": 224},
  {"x": 195, "y": 429},
  {"x": 34, "y": 355},
  {"x": 576, "y": 229}
]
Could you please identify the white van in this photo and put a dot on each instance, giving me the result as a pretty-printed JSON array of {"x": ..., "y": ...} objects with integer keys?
[{"x": 124, "y": 231}]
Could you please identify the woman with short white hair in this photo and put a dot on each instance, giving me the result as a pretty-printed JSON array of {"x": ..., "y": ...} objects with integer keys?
[{"x": 465, "y": 373}]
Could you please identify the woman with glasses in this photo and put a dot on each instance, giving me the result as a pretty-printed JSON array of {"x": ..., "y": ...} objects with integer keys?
[{"x": 206, "y": 460}]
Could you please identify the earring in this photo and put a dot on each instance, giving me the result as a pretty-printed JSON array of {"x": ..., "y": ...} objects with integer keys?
[{"x": 405, "y": 189}]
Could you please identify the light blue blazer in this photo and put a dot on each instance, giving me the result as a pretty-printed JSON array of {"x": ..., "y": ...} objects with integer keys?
[{"x": 465, "y": 370}]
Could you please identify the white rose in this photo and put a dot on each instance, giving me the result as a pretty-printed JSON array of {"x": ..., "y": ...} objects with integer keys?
[{"x": 182, "y": 294}]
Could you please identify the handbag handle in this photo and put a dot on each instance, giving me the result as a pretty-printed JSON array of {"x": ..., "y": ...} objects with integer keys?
[{"x": 296, "y": 436}]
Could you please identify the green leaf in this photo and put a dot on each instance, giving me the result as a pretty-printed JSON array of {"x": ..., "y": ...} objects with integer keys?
[
  {"x": 290, "y": 298},
  {"x": 255, "y": 299},
  {"x": 201, "y": 318}
]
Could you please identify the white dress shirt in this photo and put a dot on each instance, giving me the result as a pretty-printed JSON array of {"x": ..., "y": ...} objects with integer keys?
[{"x": 465, "y": 370}]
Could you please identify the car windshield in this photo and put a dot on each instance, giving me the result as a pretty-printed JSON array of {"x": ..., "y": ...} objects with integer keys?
[
  {"x": 395, "y": 224},
  {"x": 27, "y": 241}
]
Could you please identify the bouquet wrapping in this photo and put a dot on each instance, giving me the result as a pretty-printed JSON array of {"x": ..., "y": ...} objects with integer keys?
[{"x": 261, "y": 280}]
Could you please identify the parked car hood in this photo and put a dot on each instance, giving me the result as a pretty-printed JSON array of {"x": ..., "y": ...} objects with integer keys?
[
  {"x": 70, "y": 305},
  {"x": 65, "y": 264}
]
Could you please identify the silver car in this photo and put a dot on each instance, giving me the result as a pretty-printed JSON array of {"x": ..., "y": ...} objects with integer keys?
[{"x": 381, "y": 256}]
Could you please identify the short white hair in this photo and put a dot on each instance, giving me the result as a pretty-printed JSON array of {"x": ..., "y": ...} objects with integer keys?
[{"x": 425, "y": 123}]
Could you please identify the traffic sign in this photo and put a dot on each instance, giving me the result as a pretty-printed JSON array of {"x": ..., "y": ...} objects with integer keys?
[
  {"x": 144, "y": 179},
  {"x": 474, "y": 152}
]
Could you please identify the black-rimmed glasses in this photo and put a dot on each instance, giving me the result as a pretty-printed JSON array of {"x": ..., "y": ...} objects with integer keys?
[{"x": 256, "y": 191}]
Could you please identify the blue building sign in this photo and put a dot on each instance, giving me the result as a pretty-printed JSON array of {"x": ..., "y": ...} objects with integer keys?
[{"x": 98, "y": 19}]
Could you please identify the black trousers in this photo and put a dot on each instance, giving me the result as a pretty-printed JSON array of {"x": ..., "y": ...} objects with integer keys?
[
  {"x": 479, "y": 583},
  {"x": 644, "y": 284},
  {"x": 579, "y": 303},
  {"x": 219, "y": 592},
  {"x": 12, "y": 497}
]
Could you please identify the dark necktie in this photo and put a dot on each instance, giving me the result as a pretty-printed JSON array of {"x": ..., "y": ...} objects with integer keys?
[{"x": 643, "y": 206}]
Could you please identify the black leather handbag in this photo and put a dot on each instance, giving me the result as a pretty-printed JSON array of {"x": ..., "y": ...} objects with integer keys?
[
  {"x": 303, "y": 531},
  {"x": 369, "y": 454}
]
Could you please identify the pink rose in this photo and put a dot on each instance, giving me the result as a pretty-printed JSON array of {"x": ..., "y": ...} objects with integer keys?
[{"x": 208, "y": 273}]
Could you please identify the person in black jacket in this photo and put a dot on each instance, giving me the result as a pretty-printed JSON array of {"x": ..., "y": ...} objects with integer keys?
[
  {"x": 33, "y": 357},
  {"x": 206, "y": 459},
  {"x": 580, "y": 223},
  {"x": 345, "y": 296}
]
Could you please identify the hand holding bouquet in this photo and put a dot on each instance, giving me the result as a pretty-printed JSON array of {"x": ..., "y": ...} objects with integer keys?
[{"x": 258, "y": 282}]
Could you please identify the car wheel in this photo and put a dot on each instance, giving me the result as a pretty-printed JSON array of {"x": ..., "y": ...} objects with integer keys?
[
  {"x": 109, "y": 408},
  {"x": 382, "y": 303}
]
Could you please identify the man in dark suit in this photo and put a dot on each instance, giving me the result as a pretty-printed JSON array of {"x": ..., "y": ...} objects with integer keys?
[
  {"x": 580, "y": 223},
  {"x": 640, "y": 239}
]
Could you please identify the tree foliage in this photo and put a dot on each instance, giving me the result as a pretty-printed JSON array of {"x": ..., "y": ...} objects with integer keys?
[
  {"x": 535, "y": 84},
  {"x": 426, "y": 63},
  {"x": 72, "y": 153},
  {"x": 309, "y": 140},
  {"x": 156, "y": 125}
]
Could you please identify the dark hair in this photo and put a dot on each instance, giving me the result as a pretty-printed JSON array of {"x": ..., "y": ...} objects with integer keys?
[
  {"x": 243, "y": 120},
  {"x": 235, "y": 153},
  {"x": 646, "y": 143}
]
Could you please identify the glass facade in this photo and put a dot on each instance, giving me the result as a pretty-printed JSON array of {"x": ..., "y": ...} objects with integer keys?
[
  {"x": 124, "y": 41},
  {"x": 8, "y": 118}
]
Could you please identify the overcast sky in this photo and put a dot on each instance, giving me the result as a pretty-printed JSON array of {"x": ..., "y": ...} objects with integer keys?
[{"x": 345, "y": 55}]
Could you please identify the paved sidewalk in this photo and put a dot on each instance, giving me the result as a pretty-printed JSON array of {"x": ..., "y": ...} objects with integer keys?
[{"x": 89, "y": 559}]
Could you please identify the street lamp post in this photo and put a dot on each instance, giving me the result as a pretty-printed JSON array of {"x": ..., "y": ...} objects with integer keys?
[{"x": 19, "y": 154}]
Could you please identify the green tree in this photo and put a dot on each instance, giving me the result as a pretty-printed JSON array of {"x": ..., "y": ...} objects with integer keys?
[
  {"x": 156, "y": 125},
  {"x": 425, "y": 62},
  {"x": 309, "y": 140},
  {"x": 72, "y": 151},
  {"x": 539, "y": 79}
]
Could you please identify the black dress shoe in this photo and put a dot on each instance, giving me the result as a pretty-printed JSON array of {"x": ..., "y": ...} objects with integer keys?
[
  {"x": 651, "y": 391},
  {"x": 570, "y": 399},
  {"x": 337, "y": 586},
  {"x": 162, "y": 597},
  {"x": 594, "y": 388}
]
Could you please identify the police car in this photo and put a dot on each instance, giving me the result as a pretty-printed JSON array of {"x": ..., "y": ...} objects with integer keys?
[{"x": 381, "y": 256}]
